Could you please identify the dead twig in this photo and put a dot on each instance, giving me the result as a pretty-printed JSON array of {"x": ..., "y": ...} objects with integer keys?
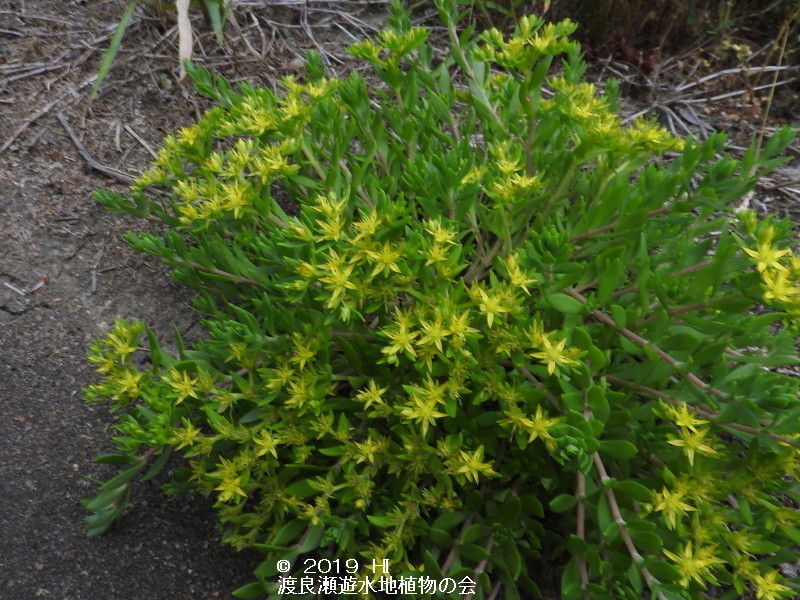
[
  {"x": 13, "y": 288},
  {"x": 27, "y": 123},
  {"x": 96, "y": 264},
  {"x": 111, "y": 172},
  {"x": 139, "y": 139}
]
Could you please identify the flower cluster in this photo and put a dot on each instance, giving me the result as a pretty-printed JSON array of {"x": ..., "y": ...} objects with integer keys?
[
  {"x": 444, "y": 313},
  {"x": 778, "y": 267}
]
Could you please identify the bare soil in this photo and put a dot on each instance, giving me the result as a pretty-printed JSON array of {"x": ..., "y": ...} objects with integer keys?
[{"x": 65, "y": 275}]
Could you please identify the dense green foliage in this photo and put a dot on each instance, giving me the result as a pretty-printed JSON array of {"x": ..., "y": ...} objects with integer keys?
[{"x": 503, "y": 330}]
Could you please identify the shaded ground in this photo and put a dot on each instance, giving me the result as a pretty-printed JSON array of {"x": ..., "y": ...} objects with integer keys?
[{"x": 65, "y": 276}]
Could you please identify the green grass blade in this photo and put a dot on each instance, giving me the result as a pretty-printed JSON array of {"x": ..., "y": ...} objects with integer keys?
[
  {"x": 217, "y": 16},
  {"x": 113, "y": 46}
]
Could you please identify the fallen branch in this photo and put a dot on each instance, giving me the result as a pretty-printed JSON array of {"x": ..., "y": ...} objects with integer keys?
[
  {"x": 111, "y": 172},
  {"x": 26, "y": 123}
]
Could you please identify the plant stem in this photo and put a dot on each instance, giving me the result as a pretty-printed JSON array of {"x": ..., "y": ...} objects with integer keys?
[
  {"x": 212, "y": 271},
  {"x": 477, "y": 88},
  {"x": 451, "y": 556},
  {"x": 611, "y": 226},
  {"x": 702, "y": 412},
  {"x": 640, "y": 341},
  {"x": 617, "y": 515}
]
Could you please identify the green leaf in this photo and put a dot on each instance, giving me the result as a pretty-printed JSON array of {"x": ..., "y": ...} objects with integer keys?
[
  {"x": 271, "y": 549},
  {"x": 440, "y": 537},
  {"x": 115, "y": 459},
  {"x": 570, "y": 581},
  {"x": 352, "y": 356},
  {"x": 565, "y": 304},
  {"x": 511, "y": 559},
  {"x": 647, "y": 541},
  {"x": 289, "y": 532},
  {"x": 619, "y": 449},
  {"x": 598, "y": 403},
  {"x": 744, "y": 510},
  {"x": 449, "y": 520},
  {"x": 635, "y": 578},
  {"x": 113, "y": 46},
  {"x": 640, "y": 525},
  {"x": 562, "y": 503},
  {"x": 604, "y": 519},
  {"x": 663, "y": 571},
  {"x": 381, "y": 521},
  {"x": 473, "y": 552},
  {"x": 762, "y": 547},
  {"x": 510, "y": 512},
  {"x": 302, "y": 489},
  {"x": 474, "y": 532},
  {"x": 432, "y": 568},
  {"x": 216, "y": 17},
  {"x": 634, "y": 490},
  {"x": 159, "y": 463},
  {"x": 618, "y": 315},
  {"x": 311, "y": 539},
  {"x": 576, "y": 545},
  {"x": 251, "y": 590},
  {"x": 609, "y": 281},
  {"x": 333, "y": 451}
]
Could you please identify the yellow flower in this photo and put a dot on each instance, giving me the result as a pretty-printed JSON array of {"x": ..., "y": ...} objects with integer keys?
[
  {"x": 515, "y": 275},
  {"x": 385, "y": 259},
  {"x": 366, "y": 450},
  {"x": 441, "y": 235},
  {"x": 181, "y": 383},
  {"x": 186, "y": 436},
  {"x": 424, "y": 413},
  {"x": 778, "y": 287},
  {"x": 266, "y": 444},
  {"x": 683, "y": 417},
  {"x": 435, "y": 253},
  {"x": 306, "y": 270},
  {"x": 368, "y": 225},
  {"x": 229, "y": 488},
  {"x": 492, "y": 306},
  {"x": 372, "y": 395},
  {"x": 270, "y": 162},
  {"x": 299, "y": 394},
  {"x": 472, "y": 465},
  {"x": 400, "y": 336},
  {"x": 459, "y": 326},
  {"x": 305, "y": 350},
  {"x": 536, "y": 334},
  {"x": 474, "y": 175},
  {"x": 121, "y": 343},
  {"x": 769, "y": 589},
  {"x": 516, "y": 419},
  {"x": 331, "y": 229},
  {"x": 127, "y": 384},
  {"x": 433, "y": 332},
  {"x": 553, "y": 356},
  {"x": 330, "y": 205},
  {"x": 671, "y": 502},
  {"x": 538, "y": 427},
  {"x": 765, "y": 254},
  {"x": 339, "y": 279},
  {"x": 691, "y": 442},
  {"x": 695, "y": 565},
  {"x": 508, "y": 166},
  {"x": 431, "y": 392}
]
